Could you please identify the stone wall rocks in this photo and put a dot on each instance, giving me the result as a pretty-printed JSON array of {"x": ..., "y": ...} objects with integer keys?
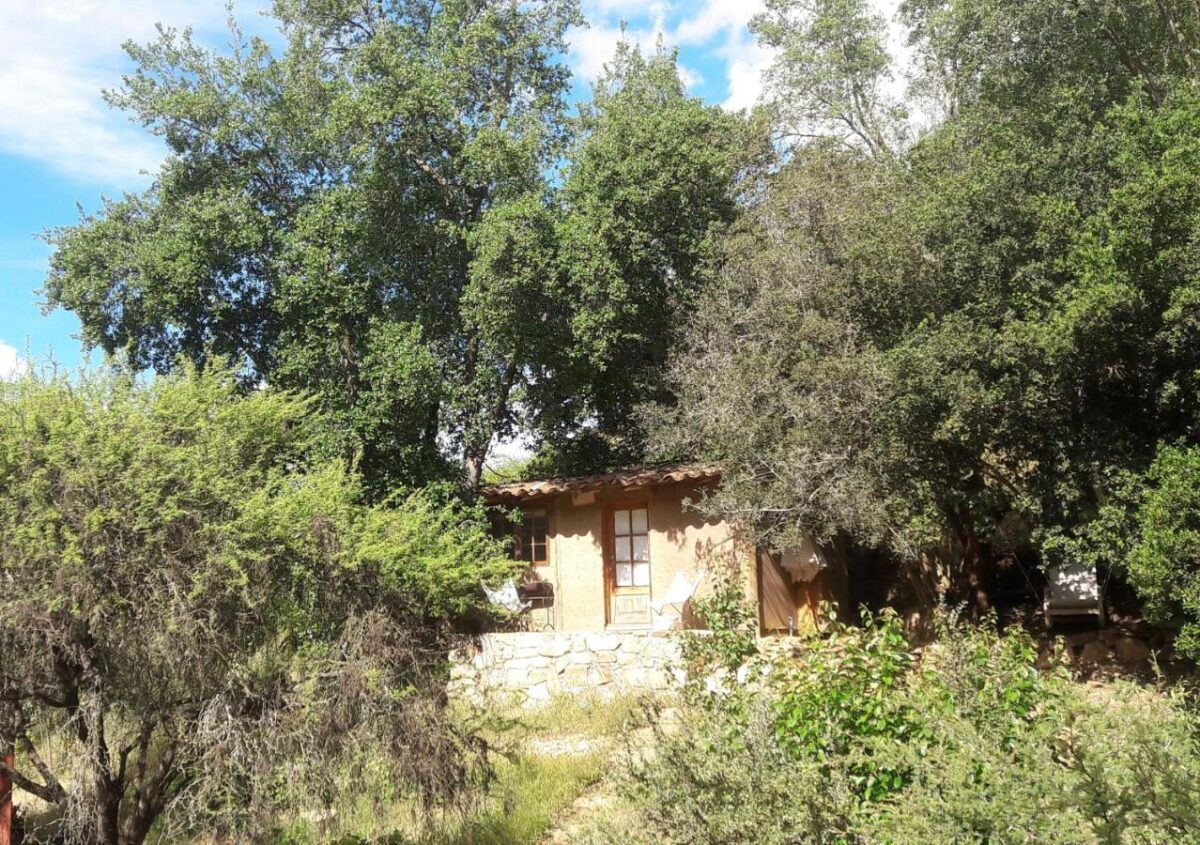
[{"x": 531, "y": 667}]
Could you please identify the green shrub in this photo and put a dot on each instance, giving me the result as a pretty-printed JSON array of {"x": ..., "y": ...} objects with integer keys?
[
  {"x": 841, "y": 690},
  {"x": 1119, "y": 771},
  {"x": 189, "y": 583},
  {"x": 1164, "y": 563},
  {"x": 731, "y": 635},
  {"x": 862, "y": 739},
  {"x": 719, "y": 776},
  {"x": 983, "y": 767},
  {"x": 1134, "y": 755}
]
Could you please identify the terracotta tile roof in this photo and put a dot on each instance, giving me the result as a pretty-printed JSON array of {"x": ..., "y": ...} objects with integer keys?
[{"x": 627, "y": 478}]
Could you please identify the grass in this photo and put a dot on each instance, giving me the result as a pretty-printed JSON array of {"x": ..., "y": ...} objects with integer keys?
[
  {"x": 588, "y": 717},
  {"x": 532, "y": 789},
  {"x": 540, "y": 766},
  {"x": 529, "y": 793},
  {"x": 545, "y": 759}
]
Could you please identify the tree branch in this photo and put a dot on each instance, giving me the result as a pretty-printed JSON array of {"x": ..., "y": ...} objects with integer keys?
[
  {"x": 50, "y": 793},
  {"x": 38, "y": 763}
]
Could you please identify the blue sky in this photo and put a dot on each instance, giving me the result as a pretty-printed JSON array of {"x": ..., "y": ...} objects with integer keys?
[{"x": 61, "y": 146}]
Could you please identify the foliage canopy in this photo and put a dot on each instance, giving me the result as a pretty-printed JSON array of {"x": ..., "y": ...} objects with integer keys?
[
  {"x": 377, "y": 215},
  {"x": 957, "y": 350}
]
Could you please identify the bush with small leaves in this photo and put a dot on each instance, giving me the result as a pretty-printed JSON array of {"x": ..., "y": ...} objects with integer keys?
[
  {"x": 860, "y": 738},
  {"x": 203, "y": 619},
  {"x": 719, "y": 776},
  {"x": 730, "y": 637}
]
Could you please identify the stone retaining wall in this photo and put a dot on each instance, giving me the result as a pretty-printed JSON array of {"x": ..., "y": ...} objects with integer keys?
[{"x": 531, "y": 667}]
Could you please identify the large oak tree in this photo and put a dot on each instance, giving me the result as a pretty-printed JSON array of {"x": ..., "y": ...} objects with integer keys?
[
  {"x": 953, "y": 351},
  {"x": 376, "y": 214}
]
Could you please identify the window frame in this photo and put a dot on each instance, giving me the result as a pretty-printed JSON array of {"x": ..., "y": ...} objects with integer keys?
[{"x": 525, "y": 538}]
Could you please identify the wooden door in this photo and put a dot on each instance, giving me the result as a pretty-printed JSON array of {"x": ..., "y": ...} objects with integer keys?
[
  {"x": 627, "y": 565},
  {"x": 784, "y": 604},
  {"x": 777, "y": 605}
]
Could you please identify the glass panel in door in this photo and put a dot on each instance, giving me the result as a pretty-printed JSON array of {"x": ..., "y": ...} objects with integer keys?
[{"x": 629, "y": 531}]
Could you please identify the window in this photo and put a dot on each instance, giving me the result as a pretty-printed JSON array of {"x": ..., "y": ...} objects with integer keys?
[
  {"x": 631, "y": 547},
  {"x": 530, "y": 545}
]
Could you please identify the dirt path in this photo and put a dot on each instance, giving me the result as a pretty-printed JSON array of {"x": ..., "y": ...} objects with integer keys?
[
  {"x": 599, "y": 807},
  {"x": 578, "y": 822}
]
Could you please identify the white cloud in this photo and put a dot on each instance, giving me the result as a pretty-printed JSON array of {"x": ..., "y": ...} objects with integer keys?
[
  {"x": 691, "y": 78},
  {"x": 724, "y": 26},
  {"x": 594, "y": 9},
  {"x": 55, "y": 58},
  {"x": 12, "y": 364},
  {"x": 744, "y": 71},
  {"x": 717, "y": 17},
  {"x": 593, "y": 46},
  {"x": 718, "y": 29}
]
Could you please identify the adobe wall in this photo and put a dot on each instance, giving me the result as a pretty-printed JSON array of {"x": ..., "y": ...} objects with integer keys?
[
  {"x": 530, "y": 667},
  {"x": 680, "y": 541}
]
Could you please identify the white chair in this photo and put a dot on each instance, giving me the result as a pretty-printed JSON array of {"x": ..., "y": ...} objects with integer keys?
[
  {"x": 678, "y": 594},
  {"x": 1073, "y": 590},
  {"x": 507, "y": 597}
]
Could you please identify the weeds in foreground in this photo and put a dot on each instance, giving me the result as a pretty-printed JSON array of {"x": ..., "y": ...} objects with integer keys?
[
  {"x": 544, "y": 759},
  {"x": 861, "y": 739}
]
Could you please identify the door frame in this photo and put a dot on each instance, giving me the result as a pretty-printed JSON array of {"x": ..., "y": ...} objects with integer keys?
[{"x": 608, "y": 531}]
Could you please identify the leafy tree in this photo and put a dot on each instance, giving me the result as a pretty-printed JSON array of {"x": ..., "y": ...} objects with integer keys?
[
  {"x": 954, "y": 352},
  {"x": 833, "y": 72},
  {"x": 200, "y": 623},
  {"x": 777, "y": 382},
  {"x": 375, "y": 216},
  {"x": 342, "y": 217},
  {"x": 653, "y": 176},
  {"x": 1022, "y": 57}
]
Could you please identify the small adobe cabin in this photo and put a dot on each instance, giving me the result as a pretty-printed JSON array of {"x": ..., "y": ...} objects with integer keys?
[{"x": 610, "y": 552}]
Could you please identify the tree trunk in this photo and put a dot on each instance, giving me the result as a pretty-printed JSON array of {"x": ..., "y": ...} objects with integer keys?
[
  {"x": 150, "y": 792},
  {"x": 138, "y": 822},
  {"x": 6, "y": 788},
  {"x": 137, "y": 825},
  {"x": 473, "y": 466},
  {"x": 974, "y": 580},
  {"x": 923, "y": 576},
  {"x": 108, "y": 811}
]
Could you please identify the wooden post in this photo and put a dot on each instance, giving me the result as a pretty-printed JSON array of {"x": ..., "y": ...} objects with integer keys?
[{"x": 6, "y": 805}]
